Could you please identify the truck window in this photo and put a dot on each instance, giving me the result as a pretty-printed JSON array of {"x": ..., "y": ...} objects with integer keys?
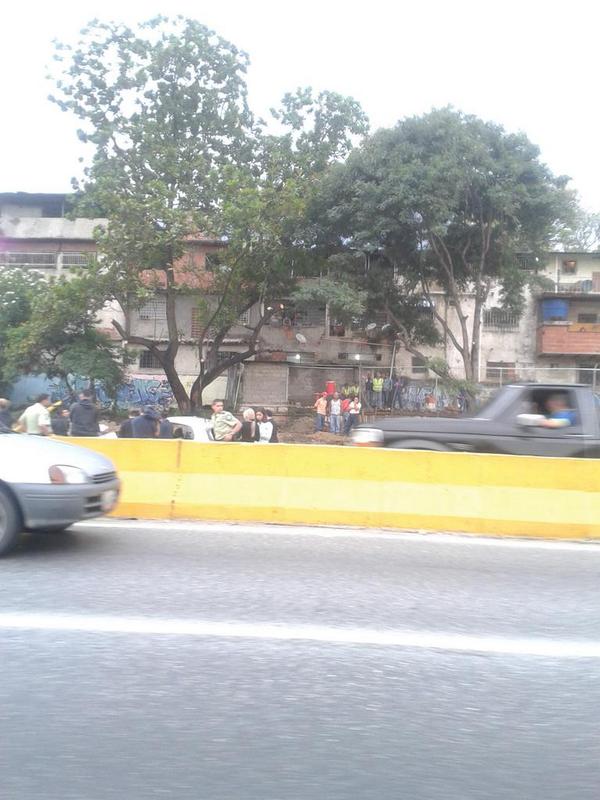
[{"x": 555, "y": 403}]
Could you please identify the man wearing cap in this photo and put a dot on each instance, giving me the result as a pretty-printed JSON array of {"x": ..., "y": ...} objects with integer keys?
[
  {"x": 225, "y": 425},
  {"x": 147, "y": 425}
]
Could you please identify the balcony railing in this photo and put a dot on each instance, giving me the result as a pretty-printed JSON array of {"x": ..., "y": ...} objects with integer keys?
[{"x": 576, "y": 287}]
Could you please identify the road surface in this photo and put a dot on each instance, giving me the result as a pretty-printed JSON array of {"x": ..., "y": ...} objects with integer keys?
[{"x": 215, "y": 662}]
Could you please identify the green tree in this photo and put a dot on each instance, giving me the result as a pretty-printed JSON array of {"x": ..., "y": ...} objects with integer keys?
[
  {"x": 445, "y": 202},
  {"x": 264, "y": 214},
  {"x": 57, "y": 335},
  {"x": 18, "y": 290},
  {"x": 581, "y": 233},
  {"x": 178, "y": 153}
]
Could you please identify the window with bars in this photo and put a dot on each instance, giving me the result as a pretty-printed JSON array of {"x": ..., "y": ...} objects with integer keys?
[
  {"x": 244, "y": 318},
  {"x": 418, "y": 366},
  {"x": 76, "y": 259},
  {"x": 527, "y": 261},
  {"x": 496, "y": 319},
  {"x": 46, "y": 260},
  {"x": 155, "y": 309},
  {"x": 148, "y": 360},
  {"x": 500, "y": 370}
]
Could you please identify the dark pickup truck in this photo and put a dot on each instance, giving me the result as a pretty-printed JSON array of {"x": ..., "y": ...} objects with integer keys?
[{"x": 514, "y": 421}]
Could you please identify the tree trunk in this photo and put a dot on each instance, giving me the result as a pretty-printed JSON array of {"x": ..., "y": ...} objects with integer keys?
[{"x": 179, "y": 392}]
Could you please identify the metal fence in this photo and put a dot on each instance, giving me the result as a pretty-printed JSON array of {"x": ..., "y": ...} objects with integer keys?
[{"x": 501, "y": 375}]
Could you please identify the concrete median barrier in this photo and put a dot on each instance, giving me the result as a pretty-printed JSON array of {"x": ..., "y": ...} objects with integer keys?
[{"x": 307, "y": 484}]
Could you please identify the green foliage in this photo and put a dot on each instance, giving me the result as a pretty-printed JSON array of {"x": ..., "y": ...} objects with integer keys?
[
  {"x": 445, "y": 201},
  {"x": 344, "y": 300},
  {"x": 581, "y": 232},
  {"x": 18, "y": 290},
  {"x": 57, "y": 335},
  {"x": 178, "y": 154}
]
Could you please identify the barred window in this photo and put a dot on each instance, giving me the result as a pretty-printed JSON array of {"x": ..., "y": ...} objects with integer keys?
[
  {"x": 155, "y": 309},
  {"x": 149, "y": 360},
  {"x": 46, "y": 260},
  {"x": 76, "y": 259},
  {"x": 499, "y": 319},
  {"x": 419, "y": 366}
]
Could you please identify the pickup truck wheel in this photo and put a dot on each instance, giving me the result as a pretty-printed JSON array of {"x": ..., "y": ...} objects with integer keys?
[{"x": 10, "y": 523}]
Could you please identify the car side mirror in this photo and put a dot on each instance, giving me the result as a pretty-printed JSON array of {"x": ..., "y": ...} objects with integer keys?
[{"x": 529, "y": 420}]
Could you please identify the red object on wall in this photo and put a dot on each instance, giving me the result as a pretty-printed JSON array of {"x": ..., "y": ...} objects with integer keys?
[{"x": 330, "y": 387}]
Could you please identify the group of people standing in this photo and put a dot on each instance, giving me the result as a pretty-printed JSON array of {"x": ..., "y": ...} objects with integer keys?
[
  {"x": 257, "y": 425},
  {"x": 79, "y": 418},
  {"x": 340, "y": 413},
  {"x": 382, "y": 390}
]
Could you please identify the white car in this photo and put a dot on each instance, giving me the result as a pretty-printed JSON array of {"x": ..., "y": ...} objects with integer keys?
[
  {"x": 48, "y": 485},
  {"x": 194, "y": 428}
]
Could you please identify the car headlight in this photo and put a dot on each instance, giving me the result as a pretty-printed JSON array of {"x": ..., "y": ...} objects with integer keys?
[
  {"x": 367, "y": 437},
  {"x": 60, "y": 473}
]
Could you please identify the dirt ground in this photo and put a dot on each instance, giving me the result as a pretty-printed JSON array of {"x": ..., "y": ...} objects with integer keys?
[
  {"x": 299, "y": 427},
  {"x": 301, "y": 430}
]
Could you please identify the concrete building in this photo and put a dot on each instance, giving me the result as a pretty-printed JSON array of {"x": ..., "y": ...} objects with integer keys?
[{"x": 557, "y": 337}]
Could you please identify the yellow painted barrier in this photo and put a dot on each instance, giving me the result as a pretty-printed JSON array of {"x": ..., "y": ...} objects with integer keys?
[{"x": 472, "y": 493}]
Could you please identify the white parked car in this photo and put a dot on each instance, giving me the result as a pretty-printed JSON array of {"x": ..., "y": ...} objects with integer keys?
[
  {"x": 194, "y": 428},
  {"x": 48, "y": 485}
]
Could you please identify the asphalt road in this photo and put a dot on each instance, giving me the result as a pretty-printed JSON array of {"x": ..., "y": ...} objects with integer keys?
[{"x": 249, "y": 663}]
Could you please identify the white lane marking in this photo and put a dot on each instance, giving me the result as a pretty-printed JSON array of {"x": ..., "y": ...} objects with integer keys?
[
  {"x": 422, "y": 640},
  {"x": 272, "y": 529}
]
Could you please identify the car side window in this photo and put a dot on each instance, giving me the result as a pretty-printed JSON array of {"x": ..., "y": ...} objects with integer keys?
[{"x": 558, "y": 406}]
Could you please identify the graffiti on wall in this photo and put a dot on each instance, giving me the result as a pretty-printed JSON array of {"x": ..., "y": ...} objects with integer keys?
[{"x": 136, "y": 391}]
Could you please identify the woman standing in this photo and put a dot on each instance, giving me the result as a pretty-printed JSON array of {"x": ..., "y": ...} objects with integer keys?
[
  {"x": 249, "y": 428},
  {"x": 265, "y": 427},
  {"x": 275, "y": 435}
]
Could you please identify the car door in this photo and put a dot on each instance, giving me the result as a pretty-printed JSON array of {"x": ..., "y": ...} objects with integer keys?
[{"x": 536, "y": 440}]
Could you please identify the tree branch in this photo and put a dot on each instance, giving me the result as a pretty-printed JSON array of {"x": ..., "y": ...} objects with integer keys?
[
  {"x": 139, "y": 340},
  {"x": 447, "y": 329}
]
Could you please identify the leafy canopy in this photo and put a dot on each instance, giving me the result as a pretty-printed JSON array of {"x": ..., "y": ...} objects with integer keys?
[{"x": 443, "y": 201}]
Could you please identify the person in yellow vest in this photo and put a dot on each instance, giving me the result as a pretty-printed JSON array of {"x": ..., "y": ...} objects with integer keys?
[{"x": 378, "y": 391}]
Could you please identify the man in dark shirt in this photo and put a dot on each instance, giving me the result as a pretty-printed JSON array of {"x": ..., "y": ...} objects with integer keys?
[
  {"x": 61, "y": 422},
  {"x": 126, "y": 430},
  {"x": 84, "y": 416},
  {"x": 147, "y": 425},
  {"x": 166, "y": 427}
]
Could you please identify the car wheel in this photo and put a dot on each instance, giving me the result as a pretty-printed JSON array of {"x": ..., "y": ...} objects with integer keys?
[{"x": 10, "y": 522}]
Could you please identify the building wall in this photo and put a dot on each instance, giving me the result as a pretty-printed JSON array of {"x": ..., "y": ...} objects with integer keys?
[
  {"x": 306, "y": 382},
  {"x": 265, "y": 384}
]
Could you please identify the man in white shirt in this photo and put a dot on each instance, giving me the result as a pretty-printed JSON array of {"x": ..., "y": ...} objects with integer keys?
[
  {"x": 36, "y": 418},
  {"x": 335, "y": 414},
  {"x": 354, "y": 410}
]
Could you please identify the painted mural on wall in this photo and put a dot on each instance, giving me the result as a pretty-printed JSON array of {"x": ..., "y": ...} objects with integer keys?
[{"x": 137, "y": 391}]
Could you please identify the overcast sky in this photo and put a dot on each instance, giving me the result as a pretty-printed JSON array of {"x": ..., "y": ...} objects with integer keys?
[{"x": 529, "y": 65}]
